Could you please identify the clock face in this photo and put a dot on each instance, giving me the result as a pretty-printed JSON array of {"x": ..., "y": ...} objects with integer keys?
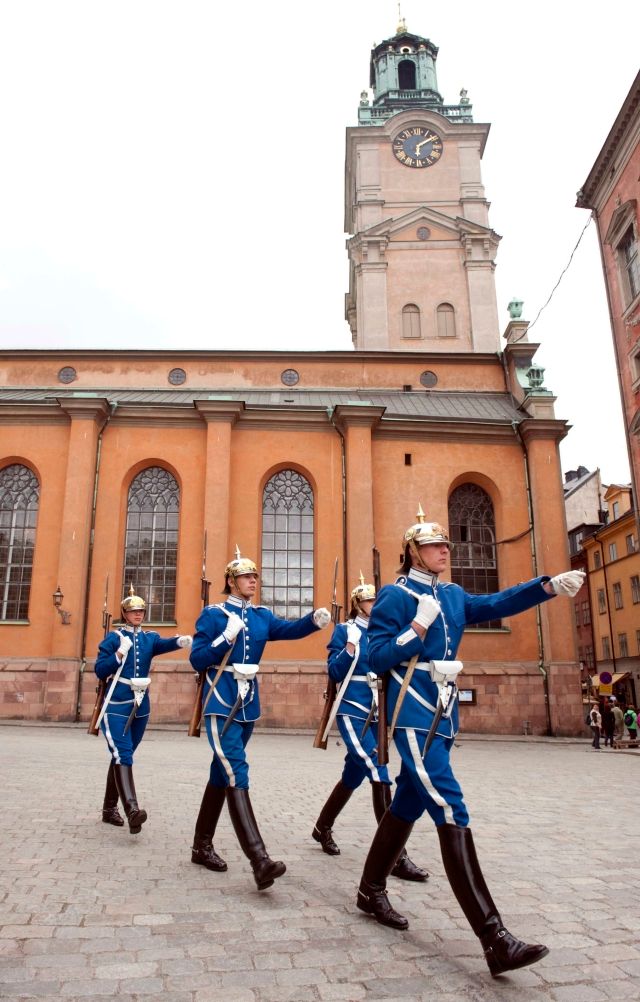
[{"x": 418, "y": 147}]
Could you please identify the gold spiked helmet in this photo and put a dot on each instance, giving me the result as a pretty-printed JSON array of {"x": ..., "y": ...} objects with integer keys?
[
  {"x": 133, "y": 602},
  {"x": 361, "y": 593},
  {"x": 238, "y": 566}
]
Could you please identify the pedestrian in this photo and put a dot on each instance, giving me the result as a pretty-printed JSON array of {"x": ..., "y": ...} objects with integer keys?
[
  {"x": 631, "y": 723},
  {"x": 356, "y": 709},
  {"x": 608, "y": 725},
  {"x": 124, "y": 660},
  {"x": 618, "y": 717},
  {"x": 229, "y": 641},
  {"x": 413, "y": 623},
  {"x": 595, "y": 723}
]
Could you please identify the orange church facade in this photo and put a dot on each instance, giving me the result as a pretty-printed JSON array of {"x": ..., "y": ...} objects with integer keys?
[{"x": 370, "y": 449}]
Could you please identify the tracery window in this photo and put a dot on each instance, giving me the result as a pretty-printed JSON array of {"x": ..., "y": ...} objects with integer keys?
[
  {"x": 472, "y": 530},
  {"x": 19, "y": 500},
  {"x": 151, "y": 544},
  {"x": 287, "y": 545}
]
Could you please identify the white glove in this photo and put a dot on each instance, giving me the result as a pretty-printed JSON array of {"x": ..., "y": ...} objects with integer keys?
[
  {"x": 233, "y": 627},
  {"x": 353, "y": 634},
  {"x": 428, "y": 609},
  {"x": 568, "y": 583},
  {"x": 185, "y": 641},
  {"x": 126, "y": 643},
  {"x": 321, "y": 617}
]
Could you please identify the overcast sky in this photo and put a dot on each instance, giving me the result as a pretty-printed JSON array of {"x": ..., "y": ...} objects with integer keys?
[{"x": 172, "y": 174}]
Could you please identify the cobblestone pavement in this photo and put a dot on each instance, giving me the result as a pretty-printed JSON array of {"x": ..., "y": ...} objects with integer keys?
[{"x": 88, "y": 911}]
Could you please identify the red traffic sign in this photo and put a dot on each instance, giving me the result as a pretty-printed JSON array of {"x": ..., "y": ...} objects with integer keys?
[{"x": 606, "y": 677}]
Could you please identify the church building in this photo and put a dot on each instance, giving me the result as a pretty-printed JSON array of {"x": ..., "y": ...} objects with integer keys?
[{"x": 148, "y": 468}]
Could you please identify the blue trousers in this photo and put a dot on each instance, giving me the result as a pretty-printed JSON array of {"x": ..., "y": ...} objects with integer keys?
[
  {"x": 229, "y": 766},
  {"x": 427, "y": 785},
  {"x": 361, "y": 759},
  {"x": 121, "y": 745}
]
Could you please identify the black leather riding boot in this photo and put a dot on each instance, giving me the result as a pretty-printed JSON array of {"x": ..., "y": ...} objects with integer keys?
[
  {"x": 405, "y": 868},
  {"x": 202, "y": 850},
  {"x": 388, "y": 843},
  {"x": 110, "y": 813},
  {"x": 503, "y": 952},
  {"x": 136, "y": 816},
  {"x": 322, "y": 831},
  {"x": 265, "y": 870}
]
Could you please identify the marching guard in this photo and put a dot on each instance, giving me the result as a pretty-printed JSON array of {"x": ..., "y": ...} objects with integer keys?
[
  {"x": 124, "y": 661},
  {"x": 414, "y": 632},
  {"x": 355, "y": 710},
  {"x": 229, "y": 641}
]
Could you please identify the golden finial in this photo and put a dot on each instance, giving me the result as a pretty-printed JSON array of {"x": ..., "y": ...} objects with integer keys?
[
  {"x": 420, "y": 514},
  {"x": 402, "y": 24},
  {"x": 131, "y": 591},
  {"x": 361, "y": 578},
  {"x": 238, "y": 554}
]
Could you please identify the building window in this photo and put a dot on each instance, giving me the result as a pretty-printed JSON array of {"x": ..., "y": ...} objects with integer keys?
[
  {"x": 606, "y": 648},
  {"x": 613, "y": 551},
  {"x": 287, "y": 545},
  {"x": 407, "y": 74},
  {"x": 446, "y": 320},
  {"x": 19, "y": 499},
  {"x": 602, "y": 605},
  {"x": 576, "y": 610},
  {"x": 628, "y": 250},
  {"x": 596, "y": 559},
  {"x": 411, "y": 321},
  {"x": 631, "y": 543},
  {"x": 638, "y": 640},
  {"x": 617, "y": 595},
  {"x": 151, "y": 544},
  {"x": 472, "y": 526},
  {"x": 586, "y": 613},
  {"x": 623, "y": 645},
  {"x": 635, "y": 589},
  {"x": 588, "y": 656},
  {"x": 616, "y": 509}
]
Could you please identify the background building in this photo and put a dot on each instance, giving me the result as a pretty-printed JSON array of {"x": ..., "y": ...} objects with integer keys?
[{"x": 147, "y": 468}]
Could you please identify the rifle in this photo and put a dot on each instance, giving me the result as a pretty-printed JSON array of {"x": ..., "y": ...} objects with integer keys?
[
  {"x": 197, "y": 713},
  {"x": 101, "y": 688},
  {"x": 329, "y": 694},
  {"x": 204, "y": 584}
]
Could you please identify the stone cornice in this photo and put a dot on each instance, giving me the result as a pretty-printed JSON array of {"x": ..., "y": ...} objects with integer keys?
[
  {"x": 220, "y": 410},
  {"x": 532, "y": 429},
  {"x": 360, "y": 415},
  {"x": 85, "y": 408}
]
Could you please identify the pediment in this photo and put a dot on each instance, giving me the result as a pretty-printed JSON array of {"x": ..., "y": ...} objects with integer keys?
[{"x": 440, "y": 226}]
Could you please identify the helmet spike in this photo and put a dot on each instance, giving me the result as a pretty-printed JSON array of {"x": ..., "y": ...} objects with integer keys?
[
  {"x": 420, "y": 515},
  {"x": 238, "y": 554},
  {"x": 131, "y": 589},
  {"x": 361, "y": 578}
]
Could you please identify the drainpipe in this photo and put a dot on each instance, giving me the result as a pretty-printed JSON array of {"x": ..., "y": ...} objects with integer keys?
[
  {"x": 343, "y": 457},
  {"x": 534, "y": 560},
  {"x": 608, "y": 604},
  {"x": 85, "y": 613}
]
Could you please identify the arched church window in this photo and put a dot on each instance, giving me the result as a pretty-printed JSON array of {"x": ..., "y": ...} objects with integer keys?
[
  {"x": 472, "y": 530},
  {"x": 151, "y": 544},
  {"x": 446, "y": 320},
  {"x": 407, "y": 74},
  {"x": 19, "y": 500},
  {"x": 287, "y": 545},
  {"x": 410, "y": 320}
]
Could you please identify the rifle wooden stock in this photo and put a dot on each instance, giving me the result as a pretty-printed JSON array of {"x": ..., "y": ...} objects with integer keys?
[
  {"x": 329, "y": 697},
  {"x": 101, "y": 691},
  {"x": 383, "y": 733},
  {"x": 196, "y": 714}
]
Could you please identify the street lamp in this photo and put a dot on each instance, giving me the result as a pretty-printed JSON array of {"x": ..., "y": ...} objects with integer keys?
[{"x": 57, "y": 602}]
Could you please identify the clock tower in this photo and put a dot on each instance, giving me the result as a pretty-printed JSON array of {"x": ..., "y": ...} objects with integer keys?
[{"x": 421, "y": 251}]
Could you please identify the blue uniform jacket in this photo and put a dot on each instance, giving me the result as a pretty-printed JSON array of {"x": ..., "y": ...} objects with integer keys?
[
  {"x": 393, "y": 641},
  {"x": 146, "y": 644},
  {"x": 210, "y": 646},
  {"x": 358, "y": 697}
]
